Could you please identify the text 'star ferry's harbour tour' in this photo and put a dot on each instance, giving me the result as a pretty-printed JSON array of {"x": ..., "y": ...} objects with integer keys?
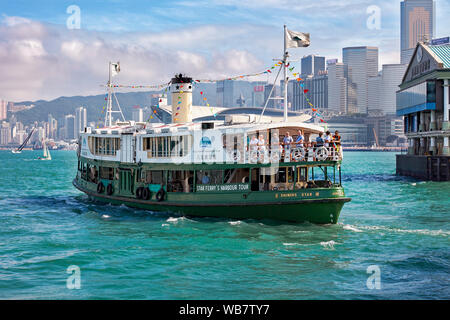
[{"x": 213, "y": 168}]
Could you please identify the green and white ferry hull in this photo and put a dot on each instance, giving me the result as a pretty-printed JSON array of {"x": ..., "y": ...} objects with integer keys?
[{"x": 211, "y": 169}]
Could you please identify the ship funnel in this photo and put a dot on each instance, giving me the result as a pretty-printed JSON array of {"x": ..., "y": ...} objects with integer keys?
[{"x": 181, "y": 89}]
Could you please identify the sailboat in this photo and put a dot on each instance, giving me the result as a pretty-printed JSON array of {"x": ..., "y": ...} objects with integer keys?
[
  {"x": 19, "y": 150},
  {"x": 47, "y": 155}
]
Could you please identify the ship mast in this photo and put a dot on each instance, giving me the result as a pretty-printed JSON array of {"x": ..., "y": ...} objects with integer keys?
[
  {"x": 114, "y": 69},
  {"x": 285, "y": 57}
]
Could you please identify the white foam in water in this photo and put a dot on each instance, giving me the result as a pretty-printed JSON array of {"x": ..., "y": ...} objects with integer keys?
[
  {"x": 164, "y": 225},
  {"x": 351, "y": 228},
  {"x": 234, "y": 223},
  {"x": 290, "y": 244},
  {"x": 328, "y": 244},
  {"x": 106, "y": 216},
  {"x": 414, "y": 184},
  {"x": 175, "y": 219}
]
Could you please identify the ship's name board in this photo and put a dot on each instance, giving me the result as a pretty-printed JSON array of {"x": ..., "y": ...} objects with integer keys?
[{"x": 232, "y": 187}]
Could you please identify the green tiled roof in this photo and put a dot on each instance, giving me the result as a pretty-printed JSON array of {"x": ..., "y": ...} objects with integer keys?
[{"x": 443, "y": 52}]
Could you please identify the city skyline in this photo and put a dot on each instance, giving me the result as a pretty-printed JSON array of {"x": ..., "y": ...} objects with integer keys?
[{"x": 225, "y": 45}]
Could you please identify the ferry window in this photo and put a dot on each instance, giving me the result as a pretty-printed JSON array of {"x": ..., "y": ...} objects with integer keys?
[
  {"x": 180, "y": 181},
  {"x": 104, "y": 146},
  {"x": 164, "y": 147},
  {"x": 280, "y": 177},
  {"x": 209, "y": 177},
  {"x": 237, "y": 175},
  {"x": 154, "y": 177},
  {"x": 301, "y": 174},
  {"x": 106, "y": 173}
]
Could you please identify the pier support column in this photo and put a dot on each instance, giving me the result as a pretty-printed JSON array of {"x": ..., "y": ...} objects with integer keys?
[
  {"x": 411, "y": 146},
  {"x": 446, "y": 149},
  {"x": 422, "y": 121},
  {"x": 433, "y": 120},
  {"x": 433, "y": 146},
  {"x": 422, "y": 146},
  {"x": 446, "y": 124}
]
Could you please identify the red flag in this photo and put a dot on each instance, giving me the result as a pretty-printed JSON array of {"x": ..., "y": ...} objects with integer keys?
[
  {"x": 306, "y": 91},
  {"x": 201, "y": 92}
]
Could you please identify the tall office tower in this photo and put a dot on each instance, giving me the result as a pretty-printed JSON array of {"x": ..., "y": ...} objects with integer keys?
[
  {"x": 52, "y": 127},
  {"x": 3, "y": 110},
  {"x": 80, "y": 121},
  {"x": 337, "y": 87},
  {"x": 418, "y": 24},
  {"x": 225, "y": 93},
  {"x": 137, "y": 115},
  {"x": 258, "y": 94},
  {"x": 392, "y": 76},
  {"x": 363, "y": 64},
  {"x": 5, "y": 133},
  {"x": 69, "y": 127},
  {"x": 312, "y": 65}
]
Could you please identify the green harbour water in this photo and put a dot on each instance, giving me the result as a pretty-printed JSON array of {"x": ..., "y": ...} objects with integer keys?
[{"x": 400, "y": 225}]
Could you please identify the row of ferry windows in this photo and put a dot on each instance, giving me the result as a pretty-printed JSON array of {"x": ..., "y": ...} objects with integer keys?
[
  {"x": 183, "y": 180},
  {"x": 164, "y": 147}
]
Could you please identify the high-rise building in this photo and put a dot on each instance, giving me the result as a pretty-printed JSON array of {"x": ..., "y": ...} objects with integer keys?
[
  {"x": 338, "y": 84},
  {"x": 317, "y": 92},
  {"x": 3, "y": 110},
  {"x": 69, "y": 127},
  {"x": 363, "y": 64},
  {"x": 373, "y": 93},
  {"x": 392, "y": 76},
  {"x": 5, "y": 133},
  {"x": 418, "y": 24},
  {"x": 52, "y": 127},
  {"x": 312, "y": 65},
  {"x": 137, "y": 115},
  {"x": 80, "y": 121}
]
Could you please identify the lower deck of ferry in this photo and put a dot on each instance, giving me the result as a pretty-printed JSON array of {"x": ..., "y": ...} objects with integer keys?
[{"x": 290, "y": 192}]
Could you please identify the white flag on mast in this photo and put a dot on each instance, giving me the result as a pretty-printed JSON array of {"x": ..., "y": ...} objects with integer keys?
[
  {"x": 296, "y": 39},
  {"x": 115, "y": 69}
]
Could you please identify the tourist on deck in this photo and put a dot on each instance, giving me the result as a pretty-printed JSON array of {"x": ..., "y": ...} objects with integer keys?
[
  {"x": 328, "y": 138},
  {"x": 205, "y": 179},
  {"x": 300, "y": 139},
  {"x": 319, "y": 140},
  {"x": 287, "y": 141},
  {"x": 261, "y": 144},
  {"x": 337, "y": 139},
  {"x": 254, "y": 144}
]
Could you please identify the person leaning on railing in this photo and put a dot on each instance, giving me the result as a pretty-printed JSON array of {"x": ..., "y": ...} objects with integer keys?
[{"x": 337, "y": 142}]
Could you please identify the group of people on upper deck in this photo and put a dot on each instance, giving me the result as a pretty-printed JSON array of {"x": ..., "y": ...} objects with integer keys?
[{"x": 288, "y": 143}]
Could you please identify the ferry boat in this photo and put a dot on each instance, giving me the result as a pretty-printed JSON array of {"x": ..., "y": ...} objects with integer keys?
[{"x": 212, "y": 168}]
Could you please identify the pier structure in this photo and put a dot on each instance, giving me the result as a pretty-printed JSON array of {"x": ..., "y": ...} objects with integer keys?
[{"x": 423, "y": 101}]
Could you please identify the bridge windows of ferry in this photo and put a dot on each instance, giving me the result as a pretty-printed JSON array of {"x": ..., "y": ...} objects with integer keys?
[
  {"x": 103, "y": 145},
  {"x": 168, "y": 146},
  {"x": 180, "y": 181}
]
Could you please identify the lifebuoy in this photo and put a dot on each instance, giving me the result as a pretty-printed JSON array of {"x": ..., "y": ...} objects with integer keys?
[
  {"x": 234, "y": 155},
  {"x": 254, "y": 156},
  {"x": 139, "y": 192},
  {"x": 145, "y": 194},
  {"x": 321, "y": 153},
  {"x": 299, "y": 154},
  {"x": 110, "y": 189},
  {"x": 100, "y": 187},
  {"x": 275, "y": 157},
  {"x": 160, "y": 195}
]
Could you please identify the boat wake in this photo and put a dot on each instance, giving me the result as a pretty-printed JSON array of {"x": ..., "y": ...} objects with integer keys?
[{"x": 396, "y": 230}]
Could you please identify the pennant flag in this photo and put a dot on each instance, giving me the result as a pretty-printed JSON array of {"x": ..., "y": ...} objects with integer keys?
[
  {"x": 115, "y": 69},
  {"x": 305, "y": 91}
]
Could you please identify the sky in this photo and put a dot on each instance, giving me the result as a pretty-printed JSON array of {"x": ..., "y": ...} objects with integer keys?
[{"x": 42, "y": 58}]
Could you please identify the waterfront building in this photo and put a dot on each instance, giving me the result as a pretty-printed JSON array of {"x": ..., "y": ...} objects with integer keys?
[
  {"x": 312, "y": 65},
  {"x": 5, "y": 133},
  {"x": 363, "y": 64},
  {"x": 423, "y": 101},
  {"x": 258, "y": 94},
  {"x": 418, "y": 23},
  {"x": 80, "y": 121}
]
